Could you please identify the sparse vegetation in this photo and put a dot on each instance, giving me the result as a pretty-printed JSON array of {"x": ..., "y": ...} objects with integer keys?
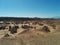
[
  {"x": 45, "y": 29},
  {"x": 26, "y": 27},
  {"x": 54, "y": 26},
  {"x": 2, "y": 27},
  {"x": 41, "y": 24},
  {"x": 29, "y": 31},
  {"x": 13, "y": 29},
  {"x": 6, "y": 35}
]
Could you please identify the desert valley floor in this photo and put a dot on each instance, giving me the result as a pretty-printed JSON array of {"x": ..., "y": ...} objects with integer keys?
[{"x": 29, "y": 31}]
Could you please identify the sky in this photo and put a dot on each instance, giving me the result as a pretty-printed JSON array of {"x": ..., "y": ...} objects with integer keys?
[{"x": 30, "y": 8}]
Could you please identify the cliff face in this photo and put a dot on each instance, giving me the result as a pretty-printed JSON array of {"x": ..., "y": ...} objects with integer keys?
[{"x": 28, "y": 31}]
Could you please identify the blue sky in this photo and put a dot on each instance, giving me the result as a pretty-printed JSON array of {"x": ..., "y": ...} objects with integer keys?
[{"x": 29, "y": 8}]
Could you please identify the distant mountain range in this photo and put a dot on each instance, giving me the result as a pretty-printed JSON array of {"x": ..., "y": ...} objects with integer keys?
[{"x": 26, "y": 18}]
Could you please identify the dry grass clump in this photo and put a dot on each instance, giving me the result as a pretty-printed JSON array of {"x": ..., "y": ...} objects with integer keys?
[
  {"x": 26, "y": 26},
  {"x": 6, "y": 35},
  {"x": 13, "y": 29},
  {"x": 45, "y": 29}
]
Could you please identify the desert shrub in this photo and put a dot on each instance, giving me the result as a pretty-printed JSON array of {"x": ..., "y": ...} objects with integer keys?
[
  {"x": 16, "y": 26},
  {"x": 13, "y": 29},
  {"x": 26, "y": 27},
  {"x": 9, "y": 28},
  {"x": 2, "y": 27},
  {"x": 7, "y": 23},
  {"x": 45, "y": 29},
  {"x": 40, "y": 24},
  {"x": 6, "y": 35},
  {"x": 34, "y": 27},
  {"x": 34, "y": 23},
  {"x": 54, "y": 26}
]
